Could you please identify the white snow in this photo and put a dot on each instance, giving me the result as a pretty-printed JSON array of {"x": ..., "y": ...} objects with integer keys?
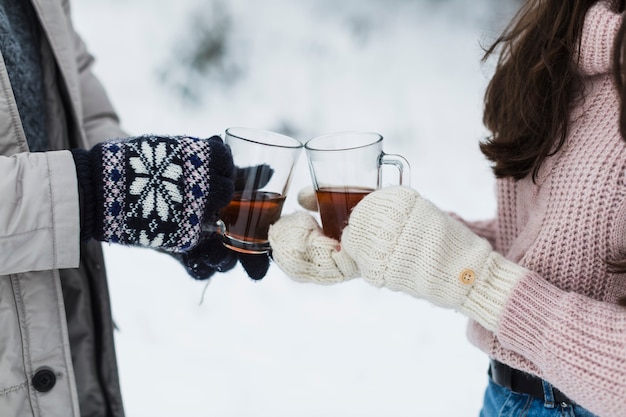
[{"x": 407, "y": 69}]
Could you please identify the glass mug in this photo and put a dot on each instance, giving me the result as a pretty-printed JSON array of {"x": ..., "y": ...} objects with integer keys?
[
  {"x": 264, "y": 163},
  {"x": 345, "y": 167}
]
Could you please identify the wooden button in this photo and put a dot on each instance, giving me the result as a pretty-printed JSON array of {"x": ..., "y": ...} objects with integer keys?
[{"x": 467, "y": 276}]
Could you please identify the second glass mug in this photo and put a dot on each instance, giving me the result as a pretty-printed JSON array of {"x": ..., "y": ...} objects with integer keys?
[
  {"x": 345, "y": 167},
  {"x": 264, "y": 163}
]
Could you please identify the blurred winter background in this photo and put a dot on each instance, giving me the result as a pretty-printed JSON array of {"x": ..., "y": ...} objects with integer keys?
[{"x": 409, "y": 69}]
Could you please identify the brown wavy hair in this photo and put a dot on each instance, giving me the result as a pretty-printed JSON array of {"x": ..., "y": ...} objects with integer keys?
[{"x": 535, "y": 84}]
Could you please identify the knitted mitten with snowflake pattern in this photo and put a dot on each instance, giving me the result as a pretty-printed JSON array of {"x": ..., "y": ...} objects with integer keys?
[{"x": 153, "y": 191}]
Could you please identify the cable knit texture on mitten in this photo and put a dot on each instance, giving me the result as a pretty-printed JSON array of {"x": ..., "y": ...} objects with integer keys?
[
  {"x": 300, "y": 248},
  {"x": 155, "y": 191},
  {"x": 401, "y": 241}
]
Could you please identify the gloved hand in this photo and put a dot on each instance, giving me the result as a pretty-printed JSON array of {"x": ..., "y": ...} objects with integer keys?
[
  {"x": 211, "y": 255},
  {"x": 304, "y": 253},
  {"x": 152, "y": 191},
  {"x": 207, "y": 258},
  {"x": 397, "y": 239},
  {"x": 156, "y": 192},
  {"x": 307, "y": 198}
]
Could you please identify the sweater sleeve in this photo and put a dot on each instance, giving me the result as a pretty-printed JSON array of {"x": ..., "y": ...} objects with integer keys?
[
  {"x": 578, "y": 343},
  {"x": 601, "y": 23}
]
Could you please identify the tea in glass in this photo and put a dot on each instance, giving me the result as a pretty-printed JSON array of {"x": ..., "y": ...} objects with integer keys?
[{"x": 335, "y": 205}]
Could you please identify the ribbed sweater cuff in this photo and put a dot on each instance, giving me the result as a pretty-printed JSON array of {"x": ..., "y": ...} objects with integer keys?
[
  {"x": 82, "y": 160},
  {"x": 526, "y": 319},
  {"x": 493, "y": 287}
]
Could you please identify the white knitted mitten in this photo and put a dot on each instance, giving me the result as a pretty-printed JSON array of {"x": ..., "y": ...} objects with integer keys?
[
  {"x": 397, "y": 239},
  {"x": 307, "y": 198},
  {"x": 302, "y": 251},
  {"x": 402, "y": 241}
]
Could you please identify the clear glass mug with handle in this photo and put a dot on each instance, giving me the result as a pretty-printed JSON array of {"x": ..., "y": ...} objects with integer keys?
[
  {"x": 345, "y": 167},
  {"x": 264, "y": 163}
]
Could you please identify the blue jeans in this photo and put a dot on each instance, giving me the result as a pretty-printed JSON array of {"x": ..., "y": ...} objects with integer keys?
[{"x": 502, "y": 402}]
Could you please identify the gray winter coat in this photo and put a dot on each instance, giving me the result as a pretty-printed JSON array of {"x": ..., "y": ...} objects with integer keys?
[{"x": 56, "y": 343}]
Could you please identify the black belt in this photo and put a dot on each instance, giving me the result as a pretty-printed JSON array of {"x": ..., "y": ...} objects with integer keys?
[{"x": 522, "y": 382}]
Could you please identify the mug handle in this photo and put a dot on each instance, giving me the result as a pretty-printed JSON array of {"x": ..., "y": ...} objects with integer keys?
[{"x": 404, "y": 169}]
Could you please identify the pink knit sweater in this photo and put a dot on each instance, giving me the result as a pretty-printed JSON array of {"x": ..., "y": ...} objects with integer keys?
[{"x": 561, "y": 321}]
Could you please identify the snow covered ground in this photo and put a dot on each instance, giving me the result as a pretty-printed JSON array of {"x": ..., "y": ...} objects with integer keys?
[{"x": 407, "y": 69}]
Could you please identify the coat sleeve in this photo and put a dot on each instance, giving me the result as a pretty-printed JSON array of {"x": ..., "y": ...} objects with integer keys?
[
  {"x": 100, "y": 120},
  {"x": 39, "y": 214}
]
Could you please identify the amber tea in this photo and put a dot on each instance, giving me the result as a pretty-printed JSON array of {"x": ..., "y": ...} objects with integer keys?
[
  {"x": 345, "y": 167},
  {"x": 248, "y": 216},
  {"x": 336, "y": 204}
]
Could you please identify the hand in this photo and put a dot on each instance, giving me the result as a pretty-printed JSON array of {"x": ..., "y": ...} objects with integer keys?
[
  {"x": 157, "y": 192},
  {"x": 302, "y": 251},
  {"x": 211, "y": 256},
  {"x": 153, "y": 191},
  {"x": 253, "y": 178},
  {"x": 307, "y": 199},
  {"x": 207, "y": 258},
  {"x": 399, "y": 240}
]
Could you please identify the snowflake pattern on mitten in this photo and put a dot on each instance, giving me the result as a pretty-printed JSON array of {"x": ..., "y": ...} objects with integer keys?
[{"x": 153, "y": 191}]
